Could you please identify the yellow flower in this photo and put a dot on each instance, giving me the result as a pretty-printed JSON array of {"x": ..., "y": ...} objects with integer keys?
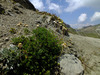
[
  {"x": 20, "y": 45},
  {"x": 38, "y": 25},
  {"x": 64, "y": 45},
  {"x": 19, "y": 24},
  {"x": 24, "y": 51},
  {"x": 26, "y": 25},
  {"x": 26, "y": 56}
]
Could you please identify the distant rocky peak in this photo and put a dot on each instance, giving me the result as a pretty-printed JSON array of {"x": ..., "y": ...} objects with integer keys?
[{"x": 26, "y": 3}]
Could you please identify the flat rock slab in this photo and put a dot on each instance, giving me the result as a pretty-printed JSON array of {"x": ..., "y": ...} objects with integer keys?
[{"x": 70, "y": 65}]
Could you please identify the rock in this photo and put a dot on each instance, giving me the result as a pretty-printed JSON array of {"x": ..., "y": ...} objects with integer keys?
[
  {"x": 74, "y": 52},
  {"x": 59, "y": 31},
  {"x": 26, "y": 3},
  {"x": 1, "y": 36},
  {"x": 70, "y": 46},
  {"x": 61, "y": 27},
  {"x": 11, "y": 45},
  {"x": 38, "y": 22},
  {"x": 46, "y": 26},
  {"x": 9, "y": 13},
  {"x": 65, "y": 32},
  {"x": 70, "y": 65},
  {"x": 1, "y": 44},
  {"x": 56, "y": 25},
  {"x": 48, "y": 19},
  {"x": 15, "y": 8},
  {"x": 5, "y": 34},
  {"x": 6, "y": 39},
  {"x": 18, "y": 5},
  {"x": 2, "y": 11}
]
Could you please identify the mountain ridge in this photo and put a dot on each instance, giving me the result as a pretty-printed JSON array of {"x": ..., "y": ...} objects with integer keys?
[{"x": 91, "y": 31}]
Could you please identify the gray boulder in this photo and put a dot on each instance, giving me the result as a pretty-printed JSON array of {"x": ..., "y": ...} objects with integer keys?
[{"x": 70, "y": 65}]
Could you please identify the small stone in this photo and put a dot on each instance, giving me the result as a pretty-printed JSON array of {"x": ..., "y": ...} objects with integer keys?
[
  {"x": 18, "y": 5},
  {"x": 10, "y": 14},
  {"x": 38, "y": 22},
  {"x": 15, "y": 8},
  {"x": 11, "y": 45},
  {"x": 57, "y": 30},
  {"x": 65, "y": 32},
  {"x": 1, "y": 65},
  {"x": 70, "y": 46},
  {"x": 1, "y": 35},
  {"x": 46, "y": 26},
  {"x": 6, "y": 39},
  {"x": 54, "y": 22},
  {"x": 61, "y": 27},
  {"x": 1, "y": 44},
  {"x": 56, "y": 25},
  {"x": 4, "y": 34}
]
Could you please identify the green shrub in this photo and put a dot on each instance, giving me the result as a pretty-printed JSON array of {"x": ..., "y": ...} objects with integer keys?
[
  {"x": 39, "y": 53},
  {"x": 12, "y": 30},
  {"x": 3, "y": 11},
  {"x": 26, "y": 31}
]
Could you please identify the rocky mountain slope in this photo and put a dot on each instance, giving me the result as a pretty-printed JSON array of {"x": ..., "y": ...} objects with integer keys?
[
  {"x": 80, "y": 55},
  {"x": 19, "y": 17}
]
